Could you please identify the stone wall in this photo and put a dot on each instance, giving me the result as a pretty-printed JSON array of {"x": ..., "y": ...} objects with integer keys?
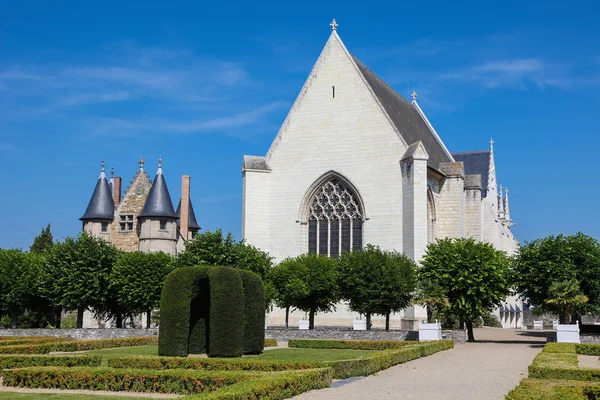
[{"x": 81, "y": 333}]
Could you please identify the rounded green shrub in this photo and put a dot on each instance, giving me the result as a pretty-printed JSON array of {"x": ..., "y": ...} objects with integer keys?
[{"x": 254, "y": 312}]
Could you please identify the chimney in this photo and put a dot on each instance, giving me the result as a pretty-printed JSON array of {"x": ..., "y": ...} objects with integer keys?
[
  {"x": 184, "y": 215},
  {"x": 117, "y": 191}
]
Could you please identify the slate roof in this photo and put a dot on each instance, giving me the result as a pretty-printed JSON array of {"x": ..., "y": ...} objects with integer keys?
[
  {"x": 405, "y": 117},
  {"x": 255, "y": 162},
  {"x": 192, "y": 223},
  {"x": 476, "y": 162},
  {"x": 158, "y": 203},
  {"x": 101, "y": 205}
]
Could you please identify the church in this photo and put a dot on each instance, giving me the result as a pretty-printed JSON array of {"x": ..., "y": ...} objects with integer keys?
[{"x": 355, "y": 163}]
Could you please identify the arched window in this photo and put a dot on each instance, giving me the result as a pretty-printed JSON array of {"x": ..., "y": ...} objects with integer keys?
[{"x": 335, "y": 219}]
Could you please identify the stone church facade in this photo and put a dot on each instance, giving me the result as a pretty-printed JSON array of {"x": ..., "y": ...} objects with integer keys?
[
  {"x": 355, "y": 163},
  {"x": 141, "y": 217}
]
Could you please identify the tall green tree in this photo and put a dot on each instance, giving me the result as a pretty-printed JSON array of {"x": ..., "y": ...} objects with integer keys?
[
  {"x": 137, "y": 280},
  {"x": 212, "y": 248},
  {"x": 474, "y": 276},
  {"x": 18, "y": 273},
  {"x": 77, "y": 275},
  {"x": 310, "y": 284},
  {"x": 431, "y": 296},
  {"x": 286, "y": 286},
  {"x": 42, "y": 241},
  {"x": 564, "y": 296},
  {"x": 374, "y": 281},
  {"x": 543, "y": 262}
]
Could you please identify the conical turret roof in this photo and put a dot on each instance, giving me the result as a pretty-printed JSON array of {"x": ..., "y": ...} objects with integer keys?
[
  {"x": 158, "y": 203},
  {"x": 101, "y": 205},
  {"x": 192, "y": 223}
]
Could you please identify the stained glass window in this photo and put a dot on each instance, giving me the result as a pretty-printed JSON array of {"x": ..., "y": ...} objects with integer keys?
[{"x": 335, "y": 220}]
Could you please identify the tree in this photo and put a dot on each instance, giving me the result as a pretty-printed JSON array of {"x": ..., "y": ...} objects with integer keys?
[
  {"x": 374, "y": 281},
  {"x": 76, "y": 275},
  {"x": 431, "y": 296},
  {"x": 42, "y": 241},
  {"x": 285, "y": 286},
  {"x": 137, "y": 280},
  {"x": 564, "y": 296},
  {"x": 543, "y": 262},
  {"x": 474, "y": 276},
  {"x": 211, "y": 248},
  {"x": 310, "y": 284},
  {"x": 18, "y": 271}
]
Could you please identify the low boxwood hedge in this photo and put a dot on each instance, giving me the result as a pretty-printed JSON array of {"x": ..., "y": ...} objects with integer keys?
[
  {"x": 221, "y": 364},
  {"x": 32, "y": 340},
  {"x": 535, "y": 389},
  {"x": 588, "y": 349},
  {"x": 77, "y": 345},
  {"x": 273, "y": 387},
  {"x": 270, "y": 342},
  {"x": 128, "y": 380},
  {"x": 22, "y": 361},
  {"x": 363, "y": 344},
  {"x": 371, "y": 364}
]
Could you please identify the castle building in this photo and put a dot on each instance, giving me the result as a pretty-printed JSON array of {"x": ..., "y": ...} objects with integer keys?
[
  {"x": 355, "y": 163},
  {"x": 142, "y": 218}
]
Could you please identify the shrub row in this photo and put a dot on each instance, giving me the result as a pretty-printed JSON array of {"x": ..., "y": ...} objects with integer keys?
[
  {"x": 588, "y": 349},
  {"x": 254, "y": 312},
  {"x": 270, "y": 342},
  {"x": 273, "y": 387},
  {"x": 371, "y": 364},
  {"x": 535, "y": 389},
  {"x": 77, "y": 345},
  {"x": 31, "y": 340},
  {"x": 22, "y": 361},
  {"x": 221, "y": 364},
  {"x": 130, "y": 380},
  {"x": 350, "y": 344}
]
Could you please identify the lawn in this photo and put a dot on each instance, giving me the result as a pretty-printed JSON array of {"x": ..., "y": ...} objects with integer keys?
[{"x": 295, "y": 354}]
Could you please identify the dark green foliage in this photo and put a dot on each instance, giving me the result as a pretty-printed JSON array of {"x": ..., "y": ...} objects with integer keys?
[
  {"x": 536, "y": 389},
  {"x": 42, "y": 242},
  {"x": 111, "y": 379},
  {"x": 490, "y": 319},
  {"x": 223, "y": 364},
  {"x": 542, "y": 262},
  {"x": 137, "y": 279},
  {"x": 473, "y": 275},
  {"x": 226, "y": 321},
  {"x": 254, "y": 312},
  {"x": 77, "y": 345},
  {"x": 9, "y": 362},
  {"x": 181, "y": 289},
  {"x": 374, "y": 281},
  {"x": 366, "y": 344},
  {"x": 211, "y": 248}
]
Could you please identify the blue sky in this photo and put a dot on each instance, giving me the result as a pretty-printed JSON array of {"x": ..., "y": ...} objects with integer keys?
[{"x": 204, "y": 83}]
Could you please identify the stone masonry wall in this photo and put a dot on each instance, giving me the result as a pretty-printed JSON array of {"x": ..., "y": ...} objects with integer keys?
[
  {"x": 451, "y": 205},
  {"x": 283, "y": 335},
  {"x": 81, "y": 333},
  {"x": 472, "y": 219}
]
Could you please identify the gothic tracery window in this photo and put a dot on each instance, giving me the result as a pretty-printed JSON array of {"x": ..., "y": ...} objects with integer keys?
[{"x": 335, "y": 220}]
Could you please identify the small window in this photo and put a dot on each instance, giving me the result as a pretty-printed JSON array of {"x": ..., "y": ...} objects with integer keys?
[
  {"x": 163, "y": 224},
  {"x": 126, "y": 223},
  {"x": 104, "y": 227}
]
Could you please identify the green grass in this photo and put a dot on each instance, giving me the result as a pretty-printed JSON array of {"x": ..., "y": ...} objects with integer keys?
[
  {"x": 312, "y": 354},
  {"x": 48, "y": 396},
  {"x": 143, "y": 351}
]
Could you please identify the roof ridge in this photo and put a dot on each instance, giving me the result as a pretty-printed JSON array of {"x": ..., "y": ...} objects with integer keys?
[
  {"x": 471, "y": 152},
  {"x": 381, "y": 79}
]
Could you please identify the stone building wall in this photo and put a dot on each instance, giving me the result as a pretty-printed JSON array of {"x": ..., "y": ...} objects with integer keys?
[{"x": 451, "y": 205}]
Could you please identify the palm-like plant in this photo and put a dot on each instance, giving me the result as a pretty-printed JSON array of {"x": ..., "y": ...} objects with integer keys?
[
  {"x": 564, "y": 296},
  {"x": 431, "y": 296}
]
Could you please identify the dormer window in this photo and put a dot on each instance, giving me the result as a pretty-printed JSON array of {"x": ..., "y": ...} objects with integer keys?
[
  {"x": 104, "y": 227},
  {"x": 163, "y": 225},
  {"x": 126, "y": 223}
]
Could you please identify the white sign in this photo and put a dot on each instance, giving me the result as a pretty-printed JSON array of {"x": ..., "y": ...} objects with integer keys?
[
  {"x": 303, "y": 324},
  {"x": 430, "y": 332},
  {"x": 538, "y": 325},
  {"x": 359, "y": 324},
  {"x": 567, "y": 333}
]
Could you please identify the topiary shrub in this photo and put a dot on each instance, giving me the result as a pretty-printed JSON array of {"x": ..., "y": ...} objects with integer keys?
[
  {"x": 254, "y": 312},
  {"x": 226, "y": 322}
]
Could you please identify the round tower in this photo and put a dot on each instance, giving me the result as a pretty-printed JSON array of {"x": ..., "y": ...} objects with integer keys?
[
  {"x": 158, "y": 220},
  {"x": 100, "y": 211}
]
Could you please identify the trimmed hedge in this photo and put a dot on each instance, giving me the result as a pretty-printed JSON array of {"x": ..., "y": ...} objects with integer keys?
[
  {"x": 273, "y": 387},
  {"x": 371, "y": 364},
  {"x": 181, "y": 296},
  {"x": 160, "y": 363},
  {"x": 359, "y": 344},
  {"x": 8, "y": 362},
  {"x": 226, "y": 326},
  {"x": 553, "y": 347},
  {"x": 254, "y": 312},
  {"x": 33, "y": 340},
  {"x": 270, "y": 343},
  {"x": 129, "y": 380},
  {"x": 588, "y": 349},
  {"x": 78, "y": 345},
  {"x": 534, "y": 389}
]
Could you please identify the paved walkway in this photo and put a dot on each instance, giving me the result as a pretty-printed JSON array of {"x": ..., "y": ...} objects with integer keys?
[{"x": 486, "y": 370}]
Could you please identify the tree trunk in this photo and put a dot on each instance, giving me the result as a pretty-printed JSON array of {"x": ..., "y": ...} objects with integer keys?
[
  {"x": 58, "y": 313},
  {"x": 470, "y": 336},
  {"x": 368, "y": 321},
  {"x": 148, "y": 319},
  {"x": 119, "y": 321},
  {"x": 311, "y": 319},
  {"x": 14, "y": 318},
  {"x": 429, "y": 314},
  {"x": 461, "y": 323},
  {"x": 80, "y": 311},
  {"x": 387, "y": 321},
  {"x": 287, "y": 317}
]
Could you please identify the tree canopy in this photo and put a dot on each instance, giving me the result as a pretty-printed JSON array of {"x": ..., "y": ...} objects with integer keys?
[
  {"x": 374, "y": 281},
  {"x": 42, "y": 241},
  {"x": 474, "y": 276}
]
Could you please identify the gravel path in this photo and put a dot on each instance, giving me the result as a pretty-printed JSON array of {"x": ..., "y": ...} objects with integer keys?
[{"x": 471, "y": 371}]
